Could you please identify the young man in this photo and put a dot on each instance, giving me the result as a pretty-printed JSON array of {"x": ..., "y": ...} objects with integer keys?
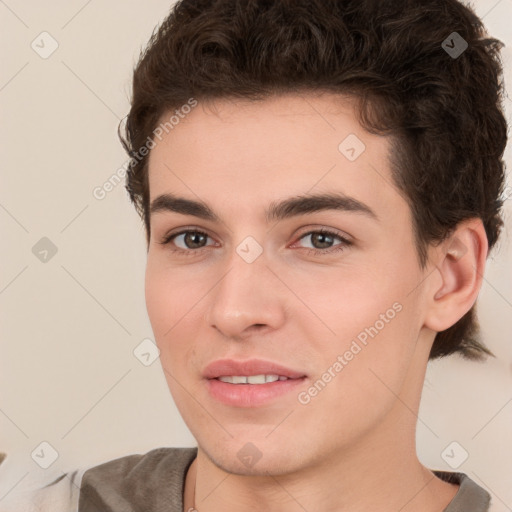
[{"x": 320, "y": 183}]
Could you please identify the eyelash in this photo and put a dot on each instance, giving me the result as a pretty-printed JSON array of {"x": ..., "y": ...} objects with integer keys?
[{"x": 315, "y": 252}]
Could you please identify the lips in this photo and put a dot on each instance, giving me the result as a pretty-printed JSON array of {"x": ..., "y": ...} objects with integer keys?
[
  {"x": 251, "y": 367},
  {"x": 239, "y": 383}
]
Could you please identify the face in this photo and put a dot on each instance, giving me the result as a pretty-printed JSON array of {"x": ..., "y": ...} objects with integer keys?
[{"x": 325, "y": 293}]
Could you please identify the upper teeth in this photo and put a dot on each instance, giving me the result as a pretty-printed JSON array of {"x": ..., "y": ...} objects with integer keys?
[{"x": 251, "y": 379}]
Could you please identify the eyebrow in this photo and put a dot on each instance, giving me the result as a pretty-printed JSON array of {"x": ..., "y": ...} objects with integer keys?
[{"x": 277, "y": 210}]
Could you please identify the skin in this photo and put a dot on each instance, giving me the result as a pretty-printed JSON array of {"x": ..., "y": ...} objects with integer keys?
[{"x": 352, "y": 447}]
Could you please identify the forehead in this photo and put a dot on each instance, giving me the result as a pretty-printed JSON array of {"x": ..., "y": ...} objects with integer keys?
[{"x": 254, "y": 151}]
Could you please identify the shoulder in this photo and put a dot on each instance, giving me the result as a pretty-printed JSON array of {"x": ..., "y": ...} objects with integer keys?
[
  {"x": 133, "y": 467},
  {"x": 153, "y": 481},
  {"x": 123, "y": 484},
  {"x": 470, "y": 497}
]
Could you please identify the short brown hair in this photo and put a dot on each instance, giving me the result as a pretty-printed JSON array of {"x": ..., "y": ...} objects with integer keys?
[{"x": 443, "y": 111}]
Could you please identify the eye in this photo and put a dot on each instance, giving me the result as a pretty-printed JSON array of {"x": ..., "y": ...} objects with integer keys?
[
  {"x": 192, "y": 241},
  {"x": 324, "y": 238}
]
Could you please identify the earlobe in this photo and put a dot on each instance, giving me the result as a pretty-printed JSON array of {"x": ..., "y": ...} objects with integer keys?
[{"x": 461, "y": 264}]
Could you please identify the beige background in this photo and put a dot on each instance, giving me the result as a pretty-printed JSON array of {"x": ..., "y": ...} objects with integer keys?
[{"x": 68, "y": 375}]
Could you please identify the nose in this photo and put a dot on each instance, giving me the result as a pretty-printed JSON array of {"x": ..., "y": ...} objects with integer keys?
[{"x": 248, "y": 299}]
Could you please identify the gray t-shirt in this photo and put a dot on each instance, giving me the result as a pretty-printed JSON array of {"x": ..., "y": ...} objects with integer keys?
[{"x": 154, "y": 482}]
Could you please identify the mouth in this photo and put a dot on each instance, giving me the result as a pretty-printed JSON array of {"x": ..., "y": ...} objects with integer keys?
[
  {"x": 254, "y": 368},
  {"x": 251, "y": 379},
  {"x": 250, "y": 383}
]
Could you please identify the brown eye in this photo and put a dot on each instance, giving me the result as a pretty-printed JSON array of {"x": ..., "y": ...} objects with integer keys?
[
  {"x": 322, "y": 242},
  {"x": 193, "y": 239},
  {"x": 190, "y": 241}
]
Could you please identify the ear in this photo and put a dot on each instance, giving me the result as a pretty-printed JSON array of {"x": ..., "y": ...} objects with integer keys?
[{"x": 460, "y": 262}]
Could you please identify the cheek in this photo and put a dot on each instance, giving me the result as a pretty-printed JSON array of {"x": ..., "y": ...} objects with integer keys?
[
  {"x": 366, "y": 380},
  {"x": 344, "y": 301},
  {"x": 170, "y": 296},
  {"x": 170, "y": 306},
  {"x": 374, "y": 322}
]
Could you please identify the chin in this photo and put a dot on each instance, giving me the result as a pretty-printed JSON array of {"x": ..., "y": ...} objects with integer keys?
[{"x": 251, "y": 461}]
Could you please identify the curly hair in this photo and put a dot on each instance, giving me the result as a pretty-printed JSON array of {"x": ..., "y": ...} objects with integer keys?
[{"x": 442, "y": 110}]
